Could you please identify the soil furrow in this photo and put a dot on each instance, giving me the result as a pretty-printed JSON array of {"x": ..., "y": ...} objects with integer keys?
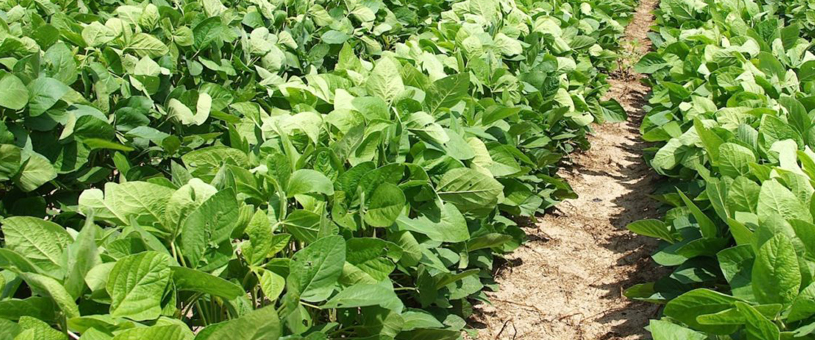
[{"x": 567, "y": 281}]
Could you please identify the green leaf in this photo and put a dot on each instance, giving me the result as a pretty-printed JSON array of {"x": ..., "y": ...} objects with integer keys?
[
  {"x": 385, "y": 205},
  {"x": 42, "y": 242},
  {"x": 36, "y": 307},
  {"x": 758, "y": 326},
  {"x": 260, "y": 324},
  {"x": 43, "y": 93},
  {"x": 185, "y": 115},
  {"x": 97, "y": 34},
  {"x": 136, "y": 285},
  {"x": 33, "y": 329},
  {"x": 334, "y": 37},
  {"x": 790, "y": 35},
  {"x": 776, "y": 274},
  {"x": 9, "y": 329},
  {"x": 448, "y": 226},
  {"x": 15, "y": 95},
  {"x": 10, "y": 158},
  {"x": 186, "y": 279},
  {"x": 82, "y": 256},
  {"x": 776, "y": 199},
  {"x": 706, "y": 225},
  {"x": 734, "y": 160},
  {"x": 469, "y": 190},
  {"x": 612, "y": 111},
  {"x": 448, "y": 91},
  {"x": 488, "y": 9},
  {"x": 207, "y": 32},
  {"x": 652, "y": 228},
  {"x": 35, "y": 172},
  {"x": 306, "y": 181},
  {"x": 164, "y": 332},
  {"x": 316, "y": 268},
  {"x": 364, "y": 295},
  {"x": 146, "y": 45},
  {"x": 272, "y": 284},
  {"x": 651, "y": 63},
  {"x": 664, "y": 330},
  {"x": 209, "y": 225},
  {"x": 687, "y": 307},
  {"x": 385, "y": 80},
  {"x": 49, "y": 287}
]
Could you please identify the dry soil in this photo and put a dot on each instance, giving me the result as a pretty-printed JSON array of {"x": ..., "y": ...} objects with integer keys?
[{"x": 567, "y": 281}]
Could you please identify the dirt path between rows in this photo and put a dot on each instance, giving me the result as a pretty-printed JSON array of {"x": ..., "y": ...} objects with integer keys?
[{"x": 567, "y": 281}]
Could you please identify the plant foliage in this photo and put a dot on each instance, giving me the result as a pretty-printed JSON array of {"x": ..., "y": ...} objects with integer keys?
[
  {"x": 256, "y": 169},
  {"x": 732, "y": 112}
]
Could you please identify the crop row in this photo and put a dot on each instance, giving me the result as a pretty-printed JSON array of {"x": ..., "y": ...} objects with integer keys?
[
  {"x": 732, "y": 113},
  {"x": 255, "y": 169}
]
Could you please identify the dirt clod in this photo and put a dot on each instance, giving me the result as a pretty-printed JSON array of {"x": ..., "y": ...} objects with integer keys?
[{"x": 568, "y": 281}]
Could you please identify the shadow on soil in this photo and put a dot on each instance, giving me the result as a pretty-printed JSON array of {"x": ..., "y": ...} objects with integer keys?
[{"x": 636, "y": 205}]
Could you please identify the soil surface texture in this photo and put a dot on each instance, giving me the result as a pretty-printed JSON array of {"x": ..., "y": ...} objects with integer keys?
[{"x": 567, "y": 281}]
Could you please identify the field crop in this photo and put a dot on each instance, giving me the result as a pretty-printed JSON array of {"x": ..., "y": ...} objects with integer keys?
[
  {"x": 293, "y": 169},
  {"x": 732, "y": 114}
]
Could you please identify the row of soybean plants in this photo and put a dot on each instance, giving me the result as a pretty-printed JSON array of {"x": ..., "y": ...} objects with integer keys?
[
  {"x": 732, "y": 117},
  {"x": 294, "y": 169}
]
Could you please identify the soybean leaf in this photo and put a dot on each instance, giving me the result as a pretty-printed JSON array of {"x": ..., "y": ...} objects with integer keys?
[
  {"x": 316, "y": 268},
  {"x": 136, "y": 285}
]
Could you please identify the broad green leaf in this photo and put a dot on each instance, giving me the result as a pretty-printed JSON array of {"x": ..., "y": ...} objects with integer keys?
[
  {"x": 758, "y": 326},
  {"x": 10, "y": 158},
  {"x": 372, "y": 256},
  {"x": 316, "y": 268},
  {"x": 687, "y": 307},
  {"x": 385, "y": 205},
  {"x": 448, "y": 226},
  {"x": 734, "y": 160},
  {"x": 650, "y": 63},
  {"x": 706, "y": 225},
  {"x": 447, "y": 92},
  {"x": 612, "y": 111},
  {"x": 209, "y": 225},
  {"x": 775, "y": 198},
  {"x": 385, "y": 80},
  {"x": 14, "y": 95},
  {"x": 136, "y": 285},
  {"x": 260, "y": 324},
  {"x": 652, "y": 228},
  {"x": 664, "y": 330},
  {"x": 207, "y": 32},
  {"x": 97, "y": 34},
  {"x": 36, "y": 307},
  {"x": 49, "y": 287},
  {"x": 334, "y": 37},
  {"x": 146, "y": 45},
  {"x": 35, "y": 172},
  {"x": 363, "y": 295},
  {"x": 776, "y": 274},
  {"x": 186, "y": 279},
  {"x": 164, "y": 332},
  {"x": 33, "y": 329},
  {"x": 185, "y": 115},
  {"x": 487, "y": 9},
  {"x": 82, "y": 256},
  {"x": 42, "y": 242},
  {"x": 305, "y": 181},
  {"x": 272, "y": 284},
  {"x": 469, "y": 190},
  {"x": 804, "y": 305},
  {"x": 43, "y": 93},
  {"x": 736, "y": 264}
]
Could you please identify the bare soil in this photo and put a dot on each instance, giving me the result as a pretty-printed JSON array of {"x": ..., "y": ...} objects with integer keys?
[{"x": 567, "y": 281}]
